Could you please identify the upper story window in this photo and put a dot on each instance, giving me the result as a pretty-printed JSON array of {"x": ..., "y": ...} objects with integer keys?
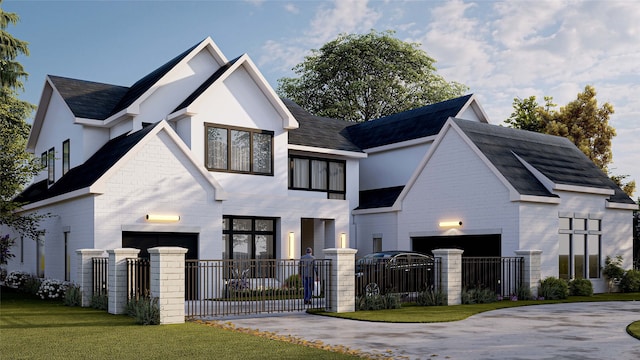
[
  {"x": 66, "y": 157},
  {"x": 51, "y": 163},
  {"x": 240, "y": 150},
  {"x": 314, "y": 174}
]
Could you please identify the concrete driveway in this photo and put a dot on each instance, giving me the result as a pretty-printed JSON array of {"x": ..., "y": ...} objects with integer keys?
[{"x": 559, "y": 331}]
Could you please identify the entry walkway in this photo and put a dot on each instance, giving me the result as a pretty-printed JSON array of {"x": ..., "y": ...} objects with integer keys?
[{"x": 558, "y": 331}]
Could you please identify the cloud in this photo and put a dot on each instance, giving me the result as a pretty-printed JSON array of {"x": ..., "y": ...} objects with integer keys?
[
  {"x": 329, "y": 20},
  {"x": 292, "y": 8}
]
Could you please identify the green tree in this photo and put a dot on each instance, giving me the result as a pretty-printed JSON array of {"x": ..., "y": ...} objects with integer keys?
[
  {"x": 11, "y": 71},
  {"x": 581, "y": 121},
  {"x": 363, "y": 77},
  {"x": 17, "y": 166}
]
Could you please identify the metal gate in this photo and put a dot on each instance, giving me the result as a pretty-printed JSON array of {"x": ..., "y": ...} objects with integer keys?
[
  {"x": 502, "y": 275},
  {"x": 220, "y": 288}
]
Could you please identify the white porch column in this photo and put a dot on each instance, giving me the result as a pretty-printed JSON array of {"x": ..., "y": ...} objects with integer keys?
[
  {"x": 167, "y": 282},
  {"x": 85, "y": 273},
  {"x": 118, "y": 278},
  {"x": 451, "y": 273},
  {"x": 342, "y": 279},
  {"x": 531, "y": 276}
]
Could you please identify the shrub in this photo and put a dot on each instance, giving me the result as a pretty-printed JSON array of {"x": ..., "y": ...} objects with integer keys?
[
  {"x": 145, "y": 310},
  {"x": 32, "y": 286},
  {"x": 100, "y": 302},
  {"x": 293, "y": 282},
  {"x": 73, "y": 295},
  {"x": 524, "y": 293},
  {"x": 553, "y": 288},
  {"x": 16, "y": 279},
  {"x": 580, "y": 287},
  {"x": 478, "y": 296},
  {"x": 613, "y": 268},
  {"x": 378, "y": 302},
  {"x": 630, "y": 281},
  {"x": 432, "y": 298},
  {"x": 52, "y": 289}
]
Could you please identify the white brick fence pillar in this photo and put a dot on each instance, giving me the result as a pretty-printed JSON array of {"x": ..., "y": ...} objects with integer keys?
[
  {"x": 451, "y": 273},
  {"x": 167, "y": 282},
  {"x": 85, "y": 273},
  {"x": 342, "y": 279},
  {"x": 531, "y": 271},
  {"x": 118, "y": 278}
]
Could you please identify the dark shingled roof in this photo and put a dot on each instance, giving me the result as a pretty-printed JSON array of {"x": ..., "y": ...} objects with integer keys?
[
  {"x": 407, "y": 125},
  {"x": 88, "y": 173},
  {"x": 555, "y": 157},
  {"x": 378, "y": 198},
  {"x": 98, "y": 101},
  {"x": 87, "y": 99},
  {"x": 319, "y": 131}
]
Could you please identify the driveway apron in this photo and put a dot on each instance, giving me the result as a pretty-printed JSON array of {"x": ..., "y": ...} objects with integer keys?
[{"x": 555, "y": 331}]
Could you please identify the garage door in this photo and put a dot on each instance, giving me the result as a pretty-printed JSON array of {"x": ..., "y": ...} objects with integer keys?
[
  {"x": 473, "y": 245},
  {"x": 146, "y": 240}
]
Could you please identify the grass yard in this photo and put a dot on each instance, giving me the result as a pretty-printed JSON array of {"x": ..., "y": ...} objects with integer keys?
[
  {"x": 429, "y": 314},
  {"x": 37, "y": 329},
  {"x": 634, "y": 329}
]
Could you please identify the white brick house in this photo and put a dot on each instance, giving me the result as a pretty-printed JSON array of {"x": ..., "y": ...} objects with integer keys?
[{"x": 238, "y": 172}]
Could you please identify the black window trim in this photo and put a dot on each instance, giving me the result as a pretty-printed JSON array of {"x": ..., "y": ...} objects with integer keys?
[
  {"x": 229, "y": 129},
  {"x": 310, "y": 188},
  {"x": 66, "y": 156},
  {"x": 253, "y": 232}
]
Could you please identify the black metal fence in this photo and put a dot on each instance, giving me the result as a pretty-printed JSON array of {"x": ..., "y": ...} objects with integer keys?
[
  {"x": 138, "y": 278},
  {"x": 502, "y": 275},
  {"x": 407, "y": 278},
  {"x": 100, "y": 277},
  {"x": 218, "y": 288}
]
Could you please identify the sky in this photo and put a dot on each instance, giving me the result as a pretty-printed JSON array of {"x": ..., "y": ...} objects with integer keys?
[{"x": 500, "y": 50}]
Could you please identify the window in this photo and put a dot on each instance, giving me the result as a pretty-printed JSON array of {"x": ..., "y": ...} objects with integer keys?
[
  {"x": 377, "y": 243},
  {"x": 51, "y": 162},
  {"x": 248, "y": 151},
  {"x": 65, "y": 156},
  {"x": 248, "y": 237},
  {"x": 44, "y": 160},
  {"x": 318, "y": 175},
  {"x": 579, "y": 248}
]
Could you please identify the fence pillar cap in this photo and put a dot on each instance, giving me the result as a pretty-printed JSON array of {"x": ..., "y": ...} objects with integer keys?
[
  {"x": 447, "y": 251},
  {"x": 89, "y": 251},
  {"x": 340, "y": 251},
  {"x": 167, "y": 250}
]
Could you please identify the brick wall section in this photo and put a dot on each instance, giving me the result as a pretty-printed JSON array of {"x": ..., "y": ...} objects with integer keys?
[
  {"x": 84, "y": 276},
  {"x": 342, "y": 279},
  {"x": 118, "y": 278},
  {"x": 531, "y": 271},
  {"x": 167, "y": 282},
  {"x": 451, "y": 275}
]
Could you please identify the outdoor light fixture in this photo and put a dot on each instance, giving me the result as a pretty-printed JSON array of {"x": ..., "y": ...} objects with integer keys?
[
  {"x": 165, "y": 218},
  {"x": 292, "y": 243},
  {"x": 450, "y": 223},
  {"x": 343, "y": 240}
]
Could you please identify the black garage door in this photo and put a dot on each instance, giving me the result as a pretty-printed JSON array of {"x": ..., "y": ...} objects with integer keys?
[
  {"x": 146, "y": 240},
  {"x": 473, "y": 245}
]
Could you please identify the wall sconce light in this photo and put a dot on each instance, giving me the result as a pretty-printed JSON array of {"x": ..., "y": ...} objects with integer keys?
[
  {"x": 450, "y": 223},
  {"x": 343, "y": 240},
  {"x": 165, "y": 218},
  {"x": 292, "y": 244}
]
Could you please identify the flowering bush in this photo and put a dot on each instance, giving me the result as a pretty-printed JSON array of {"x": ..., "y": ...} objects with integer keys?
[
  {"x": 17, "y": 279},
  {"x": 52, "y": 289}
]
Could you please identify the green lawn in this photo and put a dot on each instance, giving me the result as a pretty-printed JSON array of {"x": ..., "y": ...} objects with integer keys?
[
  {"x": 428, "y": 314},
  {"x": 37, "y": 329},
  {"x": 634, "y": 329}
]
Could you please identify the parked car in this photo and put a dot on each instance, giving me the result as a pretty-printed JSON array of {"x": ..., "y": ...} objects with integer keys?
[{"x": 394, "y": 271}]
